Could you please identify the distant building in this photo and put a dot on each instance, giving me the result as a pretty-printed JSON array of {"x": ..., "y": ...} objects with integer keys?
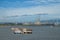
[
  {"x": 27, "y": 23},
  {"x": 37, "y": 23}
]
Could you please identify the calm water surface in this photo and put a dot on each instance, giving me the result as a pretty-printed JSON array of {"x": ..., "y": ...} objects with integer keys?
[{"x": 39, "y": 33}]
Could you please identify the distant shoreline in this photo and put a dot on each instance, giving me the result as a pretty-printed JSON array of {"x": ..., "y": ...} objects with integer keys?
[{"x": 27, "y": 25}]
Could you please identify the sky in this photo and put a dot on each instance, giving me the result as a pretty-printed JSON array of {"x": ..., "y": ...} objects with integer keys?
[{"x": 12, "y": 10}]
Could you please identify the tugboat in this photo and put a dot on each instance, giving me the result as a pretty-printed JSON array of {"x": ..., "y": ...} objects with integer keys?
[
  {"x": 16, "y": 30},
  {"x": 21, "y": 31}
]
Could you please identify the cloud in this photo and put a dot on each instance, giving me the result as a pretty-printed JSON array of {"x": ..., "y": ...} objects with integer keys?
[
  {"x": 31, "y": 10},
  {"x": 13, "y": 10},
  {"x": 47, "y": 0},
  {"x": 16, "y": 4}
]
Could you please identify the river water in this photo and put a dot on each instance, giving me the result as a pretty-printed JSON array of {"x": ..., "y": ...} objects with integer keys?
[{"x": 38, "y": 33}]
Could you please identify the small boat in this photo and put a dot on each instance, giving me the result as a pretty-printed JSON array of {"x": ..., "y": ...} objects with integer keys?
[
  {"x": 16, "y": 30},
  {"x": 21, "y": 31}
]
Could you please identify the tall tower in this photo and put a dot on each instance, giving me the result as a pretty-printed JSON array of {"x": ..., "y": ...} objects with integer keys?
[{"x": 37, "y": 21}]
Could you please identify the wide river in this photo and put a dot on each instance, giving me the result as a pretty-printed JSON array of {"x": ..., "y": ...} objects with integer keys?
[{"x": 38, "y": 33}]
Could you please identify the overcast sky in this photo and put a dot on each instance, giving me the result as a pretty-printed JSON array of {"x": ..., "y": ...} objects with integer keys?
[{"x": 16, "y": 8}]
